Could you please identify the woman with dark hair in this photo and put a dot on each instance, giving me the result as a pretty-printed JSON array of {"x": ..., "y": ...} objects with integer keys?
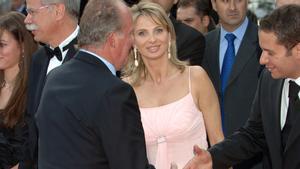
[{"x": 16, "y": 48}]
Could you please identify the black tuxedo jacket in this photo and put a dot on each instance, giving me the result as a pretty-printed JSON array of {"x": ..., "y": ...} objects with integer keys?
[
  {"x": 262, "y": 132},
  {"x": 37, "y": 77},
  {"x": 190, "y": 43},
  {"x": 89, "y": 119}
]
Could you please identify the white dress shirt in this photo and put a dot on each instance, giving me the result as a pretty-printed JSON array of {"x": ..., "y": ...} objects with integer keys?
[{"x": 54, "y": 62}]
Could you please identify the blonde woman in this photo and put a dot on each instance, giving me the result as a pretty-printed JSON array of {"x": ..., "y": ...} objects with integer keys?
[{"x": 178, "y": 103}]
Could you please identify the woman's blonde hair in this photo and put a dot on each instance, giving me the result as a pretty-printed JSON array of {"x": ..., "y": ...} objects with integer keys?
[{"x": 152, "y": 10}]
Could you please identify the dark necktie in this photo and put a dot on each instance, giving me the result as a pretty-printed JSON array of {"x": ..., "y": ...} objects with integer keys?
[
  {"x": 292, "y": 113},
  {"x": 57, "y": 52},
  {"x": 226, "y": 69}
]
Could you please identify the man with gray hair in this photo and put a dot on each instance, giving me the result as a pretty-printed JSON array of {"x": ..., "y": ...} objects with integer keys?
[
  {"x": 55, "y": 24},
  {"x": 88, "y": 118}
]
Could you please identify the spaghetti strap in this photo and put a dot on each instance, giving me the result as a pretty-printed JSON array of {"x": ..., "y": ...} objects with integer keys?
[{"x": 190, "y": 89}]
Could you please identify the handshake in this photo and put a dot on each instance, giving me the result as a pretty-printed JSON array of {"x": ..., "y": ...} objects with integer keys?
[{"x": 201, "y": 160}]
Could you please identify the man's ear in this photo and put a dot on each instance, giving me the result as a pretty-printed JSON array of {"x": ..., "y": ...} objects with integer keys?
[
  {"x": 60, "y": 10},
  {"x": 298, "y": 49},
  {"x": 111, "y": 40}
]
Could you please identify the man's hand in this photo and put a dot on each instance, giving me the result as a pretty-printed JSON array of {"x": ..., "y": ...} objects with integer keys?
[{"x": 201, "y": 160}]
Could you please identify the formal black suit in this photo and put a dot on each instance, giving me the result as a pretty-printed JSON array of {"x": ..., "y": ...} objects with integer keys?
[
  {"x": 37, "y": 77},
  {"x": 190, "y": 43},
  {"x": 243, "y": 79},
  {"x": 89, "y": 119},
  {"x": 262, "y": 132}
]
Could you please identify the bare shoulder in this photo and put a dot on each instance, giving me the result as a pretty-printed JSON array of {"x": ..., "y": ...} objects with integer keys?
[
  {"x": 197, "y": 73},
  {"x": 200, "y": 81}
]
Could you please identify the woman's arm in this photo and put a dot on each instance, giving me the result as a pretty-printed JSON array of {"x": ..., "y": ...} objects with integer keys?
[{"x": 208, "y": 103}]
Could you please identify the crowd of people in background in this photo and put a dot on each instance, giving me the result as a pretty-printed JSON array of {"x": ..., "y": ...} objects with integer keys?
[{"x": 145, "y": 84}]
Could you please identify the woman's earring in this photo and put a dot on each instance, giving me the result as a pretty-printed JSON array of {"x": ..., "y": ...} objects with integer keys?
[
  {"x": 136, "y": 63},
  {"x": 169, "y": 49}
]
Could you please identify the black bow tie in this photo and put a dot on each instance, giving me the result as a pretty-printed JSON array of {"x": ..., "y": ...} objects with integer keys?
[
  {"x": 57, "y": 52},
  {"x": 293, "y": 90}
]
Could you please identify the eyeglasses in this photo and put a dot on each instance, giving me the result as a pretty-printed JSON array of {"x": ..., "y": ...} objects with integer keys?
[{"x": 33, "y": 12}]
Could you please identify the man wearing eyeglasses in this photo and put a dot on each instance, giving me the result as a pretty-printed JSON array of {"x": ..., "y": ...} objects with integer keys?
[{"x": 55, "y": 24}]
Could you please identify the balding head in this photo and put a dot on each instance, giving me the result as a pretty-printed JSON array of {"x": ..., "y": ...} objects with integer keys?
[{"x": 105, "y": 29}]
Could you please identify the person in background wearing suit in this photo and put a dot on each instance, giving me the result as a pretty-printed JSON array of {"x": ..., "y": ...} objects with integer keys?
[
  {"x": 273, "y": 126},
  {"x": 54, "y": 23},
  {"x": 88, "y": 118},
  {"x": 190, "y": 43},
  {"x": 16, "y": 48},
  {"x": 197, "y": 14},
  {"x": 19, "y": 6},
  {"x": 233, "y": 65}
]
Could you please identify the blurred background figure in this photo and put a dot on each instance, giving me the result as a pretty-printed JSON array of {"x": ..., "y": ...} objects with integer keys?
[
  {"x": 197, "y": 14},
  {"x": 252, "y": 17},
  {"x": 178, "y": 103},
  {"x": 16, "y": 48},
  {"x": 5, "y": 6},
  {"x": 280, "y": 3},
  {"x": 131, "y": 2},
  {"x": 190, "y": 43},
  {"x": 19, "y": 6}
]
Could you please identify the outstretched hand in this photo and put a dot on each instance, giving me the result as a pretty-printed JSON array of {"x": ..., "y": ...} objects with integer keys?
[{"x": 201, "y": 160}]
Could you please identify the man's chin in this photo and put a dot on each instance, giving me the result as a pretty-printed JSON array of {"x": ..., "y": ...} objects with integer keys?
[{"x": 276, "y": 76}]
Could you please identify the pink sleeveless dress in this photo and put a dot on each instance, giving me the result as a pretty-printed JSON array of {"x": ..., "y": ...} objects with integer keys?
[{"x": 171, "y": 131}]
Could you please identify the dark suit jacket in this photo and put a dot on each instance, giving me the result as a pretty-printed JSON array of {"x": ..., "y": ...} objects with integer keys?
[
  {"x": 190, "y": 43},
  {"x": 242, "y": 82},
  {"x": 243, "y": 78},
  {"x": 262, "y": 132},
  {"x": 37, "y": 77},
  {"x": 89, "y": 119}
]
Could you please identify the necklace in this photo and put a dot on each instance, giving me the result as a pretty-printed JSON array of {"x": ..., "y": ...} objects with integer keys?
[
  {"x": 3, "y": 84},
  {"x": 6, "y": 85}
]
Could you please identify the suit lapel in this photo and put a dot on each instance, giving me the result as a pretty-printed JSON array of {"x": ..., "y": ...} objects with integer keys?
[
  {"x": 213, "y": 60},
  {"x": 294, "y": 133},
  {"x": 72, "y": 50},
  {"x": 276, "y": 109},
  {"x": 41, "y": 78},
  {"x": 246, "y": 50},
  {"x": 271, "y": 108}
]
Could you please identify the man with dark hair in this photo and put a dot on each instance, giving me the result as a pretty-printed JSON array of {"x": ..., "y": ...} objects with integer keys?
[
  {"x": 88, "y": 118},
  {"x": 231, "y": 59},
  {"x": 273, "y": 126},
  {"x": 197, "y": 14},
  {"x": 55, "y": 24}
]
